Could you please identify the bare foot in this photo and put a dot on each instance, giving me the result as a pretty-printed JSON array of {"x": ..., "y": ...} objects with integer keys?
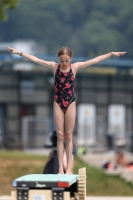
[
  {"x": 61, "y": 172},
  {"x": 68, "y": 171}
]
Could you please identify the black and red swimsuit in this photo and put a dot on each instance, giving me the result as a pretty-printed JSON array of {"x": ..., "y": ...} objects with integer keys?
[{"x": 64, "y": 88}]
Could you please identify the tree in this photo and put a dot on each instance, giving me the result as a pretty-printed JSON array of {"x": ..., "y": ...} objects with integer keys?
[
  {"x": 6, "y": 4},
  {"x": 90, "y": 28}
]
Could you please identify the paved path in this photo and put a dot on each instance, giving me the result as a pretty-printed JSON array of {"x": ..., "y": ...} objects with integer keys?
[{"x": 87, "y": 198}]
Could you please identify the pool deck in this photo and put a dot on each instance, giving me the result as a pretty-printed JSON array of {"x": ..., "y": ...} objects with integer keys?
[{"x": 87, "y": 198}]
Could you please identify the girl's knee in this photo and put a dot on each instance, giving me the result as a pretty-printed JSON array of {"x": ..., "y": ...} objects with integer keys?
[
  {"x": 68, "y": 137},
  {"x": 60, "y": 136}
]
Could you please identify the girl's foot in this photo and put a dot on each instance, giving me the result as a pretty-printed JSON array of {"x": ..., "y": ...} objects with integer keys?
[
  {"x": 68, "y": 171},
  {"x": 61, "y": 171}
]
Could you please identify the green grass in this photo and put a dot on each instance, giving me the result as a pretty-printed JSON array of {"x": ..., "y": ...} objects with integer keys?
[
  {"x": 14, "y": 164},
  {"x": 100, "y": 184}
]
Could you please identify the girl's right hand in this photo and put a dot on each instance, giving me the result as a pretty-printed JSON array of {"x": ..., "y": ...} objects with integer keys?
[
  {"x": 118, "y": 53},
  {"x": 13, "y": 50}
]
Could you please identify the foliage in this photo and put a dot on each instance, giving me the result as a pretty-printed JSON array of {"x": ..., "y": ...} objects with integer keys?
[
  {"x": 88, "y": 27},
  {"x": 6, "y": 4}
]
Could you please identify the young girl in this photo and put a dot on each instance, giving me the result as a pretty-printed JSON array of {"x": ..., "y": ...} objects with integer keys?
[{"x": 64, "y": 100}]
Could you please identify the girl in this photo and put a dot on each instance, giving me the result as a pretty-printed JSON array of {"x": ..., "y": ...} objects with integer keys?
[{"x": 64, "y": 100}]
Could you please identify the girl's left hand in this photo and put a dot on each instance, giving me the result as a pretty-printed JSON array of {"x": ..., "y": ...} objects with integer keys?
[{"x": 118, "y": 53}]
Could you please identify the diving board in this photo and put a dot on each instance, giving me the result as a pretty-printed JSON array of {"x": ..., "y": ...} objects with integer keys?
[{"x": 50, "y": 186}]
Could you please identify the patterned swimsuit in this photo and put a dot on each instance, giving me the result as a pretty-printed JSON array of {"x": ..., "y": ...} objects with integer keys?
[{"x": 64, "y": 88}]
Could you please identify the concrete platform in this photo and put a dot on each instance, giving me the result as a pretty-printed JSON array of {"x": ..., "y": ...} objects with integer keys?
[{"x": 87, "y": 198}]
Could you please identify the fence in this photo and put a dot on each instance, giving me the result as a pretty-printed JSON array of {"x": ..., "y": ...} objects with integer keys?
[{"x": 35, "y": 131}]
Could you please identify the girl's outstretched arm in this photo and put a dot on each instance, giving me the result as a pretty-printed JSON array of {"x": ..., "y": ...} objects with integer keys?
[
  {"x": 32, "y": 58},
  {"x": 80, "y": 65}
]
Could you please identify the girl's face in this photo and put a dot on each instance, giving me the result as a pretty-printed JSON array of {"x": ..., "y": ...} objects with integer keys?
[{"x": 64, "y": 61}]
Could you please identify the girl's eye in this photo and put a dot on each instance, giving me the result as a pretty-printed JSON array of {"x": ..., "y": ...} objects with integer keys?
[{"x": 63, "y": 61}]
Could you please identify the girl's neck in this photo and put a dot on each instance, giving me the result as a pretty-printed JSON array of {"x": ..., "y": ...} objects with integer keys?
[{"x": 65, "y": 70}]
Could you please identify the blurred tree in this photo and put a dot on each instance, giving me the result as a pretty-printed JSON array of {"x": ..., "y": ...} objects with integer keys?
[
  {"x": 4, "y": 5},
  {"x": 88, "y": 27}
]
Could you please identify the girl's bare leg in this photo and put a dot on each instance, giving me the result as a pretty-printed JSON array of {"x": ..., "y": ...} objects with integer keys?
[
  {"x": 65, "y": 161},
  {"x": 59, "y": 125},
  {"x": 70, "y": 116}
]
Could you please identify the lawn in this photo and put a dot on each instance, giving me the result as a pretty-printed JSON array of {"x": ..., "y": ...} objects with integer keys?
[{"x": 14, "y": 164}]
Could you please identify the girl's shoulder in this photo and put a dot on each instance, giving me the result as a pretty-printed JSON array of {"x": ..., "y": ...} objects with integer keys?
[
  {"x": 74, "y": 68},
  {"x": 55, "y": 67}
]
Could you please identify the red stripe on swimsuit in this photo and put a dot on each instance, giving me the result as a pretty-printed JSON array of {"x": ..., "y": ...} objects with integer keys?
[{"x": 64, "y": 88}]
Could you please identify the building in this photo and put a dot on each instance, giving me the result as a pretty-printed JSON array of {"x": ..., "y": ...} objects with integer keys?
[{"x": 26, "y": 98}]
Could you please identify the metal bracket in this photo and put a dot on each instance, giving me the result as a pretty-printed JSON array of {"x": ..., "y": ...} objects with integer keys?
[
  {"x": 57, "y": 193},
  {"x": 22, "y": 193}
]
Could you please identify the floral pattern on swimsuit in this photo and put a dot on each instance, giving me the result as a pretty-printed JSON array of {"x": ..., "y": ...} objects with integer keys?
[{"x": 64, "y": 88}]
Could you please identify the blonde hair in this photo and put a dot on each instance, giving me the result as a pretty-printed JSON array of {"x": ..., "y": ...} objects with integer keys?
[{"x": 65, "y": 50}]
